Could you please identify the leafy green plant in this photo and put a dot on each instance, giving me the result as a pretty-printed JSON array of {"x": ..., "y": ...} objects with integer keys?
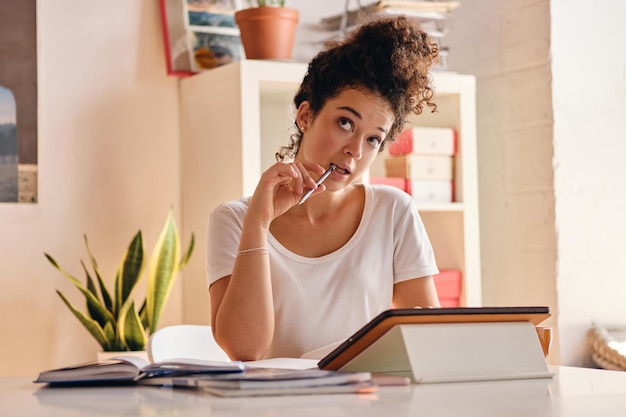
[{"x": 112, "y": 318}]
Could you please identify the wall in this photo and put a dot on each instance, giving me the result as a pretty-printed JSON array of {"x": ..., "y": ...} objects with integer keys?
[
  {"x": 108, "y": 156},
  {"x": 507, "y": 46},
  {"x": 551, "y": 105},
  {"x": 108, "y": 165},
  {"x": 589, "y": 95}
]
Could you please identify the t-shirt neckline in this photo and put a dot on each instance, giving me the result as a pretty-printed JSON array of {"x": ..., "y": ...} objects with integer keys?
[{"x": 367, "y": 211}]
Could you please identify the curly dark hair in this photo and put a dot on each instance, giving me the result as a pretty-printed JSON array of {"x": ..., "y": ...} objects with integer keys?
[{"x": 390, "y": 56}]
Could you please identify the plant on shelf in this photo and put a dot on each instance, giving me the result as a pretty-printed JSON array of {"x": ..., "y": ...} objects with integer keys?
[
  {"x": 267, "y": 29},
  {"x": 112, "y": 317},
  {"x": 266, "y": 3}
]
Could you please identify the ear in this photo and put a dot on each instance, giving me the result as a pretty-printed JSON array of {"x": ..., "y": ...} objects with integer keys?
[{"x": 304, "y": 116}]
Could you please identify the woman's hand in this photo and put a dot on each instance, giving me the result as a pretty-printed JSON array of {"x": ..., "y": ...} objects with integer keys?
[{"x": 281, "y": 187}]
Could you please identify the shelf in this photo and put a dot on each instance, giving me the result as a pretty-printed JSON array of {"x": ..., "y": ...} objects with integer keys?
[{"x": 446, "y": 207}]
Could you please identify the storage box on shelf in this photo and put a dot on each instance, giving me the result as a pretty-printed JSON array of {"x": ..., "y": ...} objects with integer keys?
[
  {"x": 454, "y": 227},
  {"x": 448, "y": 284},
  {"x": 424, "y": 156},
  {"x": 422, "y": 140},
  {"x": 235, "y": 117}
]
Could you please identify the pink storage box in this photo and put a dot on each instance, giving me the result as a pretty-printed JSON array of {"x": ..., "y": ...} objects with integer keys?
[
  {"x": 398, "y": 182},
  {"x": 448, "y": 284},
  {"x": 425, "y": 141}
]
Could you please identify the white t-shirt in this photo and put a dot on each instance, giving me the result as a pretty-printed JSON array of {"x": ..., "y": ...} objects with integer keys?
[{"x": 320, "y": 301}]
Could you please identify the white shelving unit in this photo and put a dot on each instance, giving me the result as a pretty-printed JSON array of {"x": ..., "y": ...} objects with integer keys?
[
  {"x": 454, "y": 228},
  {"x": 235, "y": 117}
]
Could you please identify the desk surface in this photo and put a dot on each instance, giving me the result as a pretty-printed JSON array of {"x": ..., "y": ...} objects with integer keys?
[{"x": 572, "y": 392}]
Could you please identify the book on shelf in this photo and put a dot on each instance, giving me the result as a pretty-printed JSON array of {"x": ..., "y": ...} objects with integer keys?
[
  {"x": 420, "y": 167},
  {"x": 271, "y": 381},
  {"x": 126, "y": 369},
  {"x": 425, "y": 141}
]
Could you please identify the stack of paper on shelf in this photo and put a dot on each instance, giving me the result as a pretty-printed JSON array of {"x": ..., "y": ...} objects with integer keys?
[
  {"x": 424, "y": 158},
  {"x": 272, "y": 381},
  {"x": 431, "y": 14}
]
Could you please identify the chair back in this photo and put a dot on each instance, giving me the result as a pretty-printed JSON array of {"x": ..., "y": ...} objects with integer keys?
[{"x": 190, "y": 341}]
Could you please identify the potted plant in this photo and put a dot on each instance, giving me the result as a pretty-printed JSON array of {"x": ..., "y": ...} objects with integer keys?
[
  {"x": 112, "y": 318},
  {"x": 267, "y": 29}
]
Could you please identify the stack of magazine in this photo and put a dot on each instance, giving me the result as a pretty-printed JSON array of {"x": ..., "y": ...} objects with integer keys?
[
  {"x": 271, "y": 381},
  {"x": 224, "y": 379}
]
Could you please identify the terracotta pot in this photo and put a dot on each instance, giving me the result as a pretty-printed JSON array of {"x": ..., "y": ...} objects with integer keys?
[{"x": 267, "y": 32}]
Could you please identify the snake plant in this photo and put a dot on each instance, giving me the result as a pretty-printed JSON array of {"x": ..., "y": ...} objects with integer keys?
[{"x": 112, "y": 317}]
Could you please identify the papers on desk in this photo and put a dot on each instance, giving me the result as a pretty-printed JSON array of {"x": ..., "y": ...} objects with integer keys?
[
  {"x": 277, "y": 376},
  {"x": 283, "y": 363},
  {"x": 129, "y": 369},
  {"x": 256, "y": 381}
]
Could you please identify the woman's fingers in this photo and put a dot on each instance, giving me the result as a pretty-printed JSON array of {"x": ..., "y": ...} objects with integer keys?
[
  {"x": 283, "y": 185},
  {"x": 307, "y": 179},
  {"x": 310, "y": 172}
]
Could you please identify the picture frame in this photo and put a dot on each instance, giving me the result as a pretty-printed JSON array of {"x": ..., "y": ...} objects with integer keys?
[
  {"x": 18, "y": 103},
  {"x": 199, "y": 35}
]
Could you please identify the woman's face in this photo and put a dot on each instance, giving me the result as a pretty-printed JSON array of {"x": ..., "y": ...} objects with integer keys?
[{"x": 348, "y": 132}]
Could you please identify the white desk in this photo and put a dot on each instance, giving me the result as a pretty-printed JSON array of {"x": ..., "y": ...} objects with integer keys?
[{"x": 573, "y": 392}]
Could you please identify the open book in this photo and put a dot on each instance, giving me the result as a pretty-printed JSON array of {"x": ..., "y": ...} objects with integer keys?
[{"x": 129, "y": 369}]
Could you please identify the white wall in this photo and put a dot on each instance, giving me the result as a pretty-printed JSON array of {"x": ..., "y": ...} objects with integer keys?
[
  {"x": 541, "y": 98},
  {"x": 589, "y": 95},
  {"x": 108, "y": 166},
  {"x": 507, "y": 46},
  {"x": 109, "y": 160},
  {"x": 551, "y": 110}
]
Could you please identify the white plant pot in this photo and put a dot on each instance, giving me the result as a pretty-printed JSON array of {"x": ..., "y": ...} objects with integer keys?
[{"x": 103, "y": 356}]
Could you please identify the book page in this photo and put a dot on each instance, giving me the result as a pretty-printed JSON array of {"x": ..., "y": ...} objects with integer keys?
[{"x": 283, "y": 363}]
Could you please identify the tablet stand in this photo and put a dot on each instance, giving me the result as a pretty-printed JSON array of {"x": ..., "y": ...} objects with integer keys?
[{"x": 450, "y": 352}]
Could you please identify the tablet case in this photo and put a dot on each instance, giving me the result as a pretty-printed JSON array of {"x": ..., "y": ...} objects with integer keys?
[{"x": 447, "y": 344}]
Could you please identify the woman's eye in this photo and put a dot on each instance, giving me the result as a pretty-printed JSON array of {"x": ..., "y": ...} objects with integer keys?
[
  {"x": 375, "y": 141},
  {"x": 345, "y": 124}
]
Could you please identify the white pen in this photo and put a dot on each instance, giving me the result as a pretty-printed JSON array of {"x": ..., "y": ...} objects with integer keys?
[{"x": 321, "y": 180}]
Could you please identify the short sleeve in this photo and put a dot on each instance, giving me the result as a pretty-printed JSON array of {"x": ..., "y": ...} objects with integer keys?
[
  {"x": 223, "y": 236},
  {"x": 413, "y": 253}
]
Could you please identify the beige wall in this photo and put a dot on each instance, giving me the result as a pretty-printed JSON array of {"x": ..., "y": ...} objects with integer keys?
[
  {"x": 109, "y": 162},
  {"x": 507, "y": 46},
  {"x": 550, "y": 103},
  {"x": 108, "y": 165},
  {"x": 589, "y": 95}
]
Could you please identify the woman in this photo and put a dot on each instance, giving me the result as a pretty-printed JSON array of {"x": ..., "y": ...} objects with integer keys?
[{"x": 287, "y": 278}]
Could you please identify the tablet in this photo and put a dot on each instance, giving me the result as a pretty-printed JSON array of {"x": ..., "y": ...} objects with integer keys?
[{"x": 373, "y": 330}]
